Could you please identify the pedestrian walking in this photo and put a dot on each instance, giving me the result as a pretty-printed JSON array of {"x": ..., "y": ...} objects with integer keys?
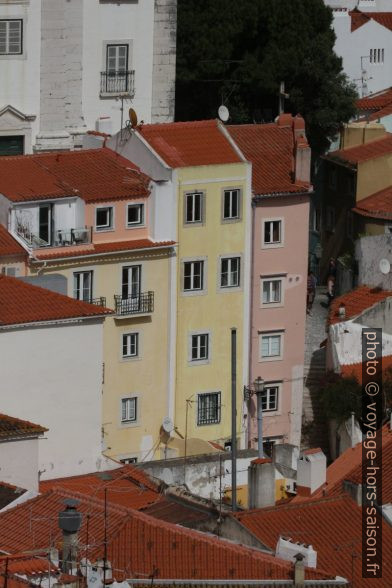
[{"x": 331, "y": 279}]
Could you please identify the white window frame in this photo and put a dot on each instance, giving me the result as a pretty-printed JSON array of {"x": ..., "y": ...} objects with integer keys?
[
  {"x": 7, "y": 52},
  {"x": 83, "y": 272},
  {"x": 231, "y": 218},
  {"x": 200, "y": 360},
  {"x": 194, "y": 291},
  {"x": 272, "y": 244},
  {"x": 141, "y": 222},
  {"x": 107, "y": 227},
  {"x": 267, "y": 388},
  {"x": 129, "y": 460},
  {"x": 134, "y": 355},
  {"x": 193, "y": 194},
  {"x": 216, "y": 421},
  {"x": 229, "y": 259},
  {"x": 263, "y": 334},
  {"x": 130, "y": 422},
  {"x": 268, "y": 279}
]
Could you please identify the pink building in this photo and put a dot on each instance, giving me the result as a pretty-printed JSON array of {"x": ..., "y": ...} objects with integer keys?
[{"x": 280, "y": 157}]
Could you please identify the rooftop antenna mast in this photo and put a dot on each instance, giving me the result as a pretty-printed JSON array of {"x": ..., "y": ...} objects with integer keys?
[{"x": 282, "y": 96}]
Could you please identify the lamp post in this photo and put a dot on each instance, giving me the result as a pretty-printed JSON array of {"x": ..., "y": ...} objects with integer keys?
[{"x": 258, "y": 389}]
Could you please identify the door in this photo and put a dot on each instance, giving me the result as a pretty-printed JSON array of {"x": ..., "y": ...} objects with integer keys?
[
  {"x": 131, "y": 287},
  {"x": 45, "y": 229},
  {"x": 116, "y": 68}
]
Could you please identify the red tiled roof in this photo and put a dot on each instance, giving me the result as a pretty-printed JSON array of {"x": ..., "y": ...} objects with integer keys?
[
  {"x": 8, "y": 245},
  {"x": 93, "y": 174},
  {"x": 22, "y": 303},
  {"x": 9, "y": 493},
  {"x": 378, "y": 205},
  {"x": 11, "y": 427},
  {"x": 356, "y": 302},
  {"x": 355, "y": 369},
  {"x": 139, "y": 545},
  {"x": 375, "y": 101},
  {"x": 98, "y": 248},
  {"x": 364, "y": 152},
  {"x": 270, "y": 148},
  {"x": 179, "y": 513},
  {"x": 26, "y": 564},
  {"x": 184, "y": 144},
  {"x": 360, "y": 18},
  {"x": 330, "y": 525},
  {"x": 126, "y": 486}
]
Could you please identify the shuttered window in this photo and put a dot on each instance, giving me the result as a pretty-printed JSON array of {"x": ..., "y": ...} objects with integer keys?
[{"x": 11, "y": 37}]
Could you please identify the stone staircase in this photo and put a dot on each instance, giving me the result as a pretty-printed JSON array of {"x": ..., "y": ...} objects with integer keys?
[{"x": 314, "y": 428}]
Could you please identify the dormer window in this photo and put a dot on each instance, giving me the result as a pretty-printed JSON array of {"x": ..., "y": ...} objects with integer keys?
[
  {"x": 104, "y": 218},
  {"x": 135, "y": 215}
]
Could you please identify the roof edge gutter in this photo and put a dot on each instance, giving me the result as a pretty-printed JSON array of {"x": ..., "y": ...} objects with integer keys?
[
  {"x": 259, "y": 197},
  {"x": 239, "y": 583},
  {"x": 51, "y": 322}
]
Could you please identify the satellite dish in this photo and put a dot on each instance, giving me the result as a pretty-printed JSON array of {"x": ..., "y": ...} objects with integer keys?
[
  {"x": 385, "y": 266},
  {"x": 223, "y": 113},
  {"x": 167, "y": 425},
  {"x": 132, "y": 117}
]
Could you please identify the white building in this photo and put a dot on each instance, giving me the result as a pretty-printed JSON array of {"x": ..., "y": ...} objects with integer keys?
[
  {"x": 65, "y": 64},
  {"x": 364, "y": 41},
  {"x": 51, "y": 365}
]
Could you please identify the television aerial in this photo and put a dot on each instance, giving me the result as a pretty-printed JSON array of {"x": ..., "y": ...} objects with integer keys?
[
  {"x": 223, "y": 113},
  {"x": 167, "y": 425},
  {"x": 385, "y": 266}
]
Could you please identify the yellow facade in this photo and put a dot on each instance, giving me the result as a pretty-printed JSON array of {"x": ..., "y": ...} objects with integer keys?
[
  {"x": 215, "y": 310},
  {"x": 145, "y": 377}
]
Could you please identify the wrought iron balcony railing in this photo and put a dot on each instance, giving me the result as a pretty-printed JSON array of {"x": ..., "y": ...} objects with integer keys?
[
  {"x": 118, "y": 82},
  {"x": 101, "y": 301},
  {"x": 141, "y": 304}
]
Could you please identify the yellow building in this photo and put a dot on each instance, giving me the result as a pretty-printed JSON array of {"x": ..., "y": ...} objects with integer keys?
[
  {"x": 206, "y": 184},
  {"x": 87, "y": 217}
]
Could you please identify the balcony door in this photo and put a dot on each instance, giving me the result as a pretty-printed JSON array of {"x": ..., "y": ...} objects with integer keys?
[
  {"x": 83, "y": 286},
  {"x": 131, "y": 287},
  {"x": 45, "y": 224},
  {"x": 116, "y": 68}
]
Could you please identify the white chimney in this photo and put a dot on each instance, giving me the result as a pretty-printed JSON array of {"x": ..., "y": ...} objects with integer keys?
[
  {"x": 261, "y": 483},
  {"x": 311, "y": 471},
  {"x": 288, "y": 549}
]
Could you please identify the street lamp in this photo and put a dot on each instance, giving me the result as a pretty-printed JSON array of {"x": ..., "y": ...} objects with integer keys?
[{"x": 258, "y": 389}]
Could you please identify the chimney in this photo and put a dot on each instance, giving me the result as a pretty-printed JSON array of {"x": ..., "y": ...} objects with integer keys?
[
  {"x": 299, "y": 571},
  {"x": 70, "y": 521},
  {"x": 286, "y": 454},
  {"x": 302, "y": 152},
  {"x": 261, "y": 483},
  {"x": 289, "y": 550},
  {"x": 311, "y": 471}
]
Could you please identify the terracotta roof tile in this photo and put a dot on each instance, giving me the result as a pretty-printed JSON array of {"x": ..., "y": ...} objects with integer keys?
[
  {"x": 8, "y": 245},
  {"x": 356, "y": 302},
  {"x": 365, "y": 152},
  {"x": 11, "y": 427},
  {"x": 93, "y": 174},
  {"x": 126, "y": 486},
  {"x": 139, "y": 544},
  {"x": 378, "y": 205},
  {"x": 26, "y": 564},
  {"x": 184, "y": 144},
  {"x": 9, "y": 493},
  {"x": 330, "y": 525},
  {"x": 355, "y": 369},
  {"x": 270, "y": 148},
  {"x": 375, "y": 101},
  {"x": 98, "y": 248},
  {"x": 360, "y": 18},
  {"x": 22, "y": 303}
]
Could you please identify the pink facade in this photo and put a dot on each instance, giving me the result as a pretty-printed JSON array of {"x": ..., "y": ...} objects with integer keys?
[
  {"x": 120, "y": 229},
  {"x": 278, "y": 314}
]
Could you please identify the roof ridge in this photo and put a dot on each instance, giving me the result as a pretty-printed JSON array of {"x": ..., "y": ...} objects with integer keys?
[{"x": 311, "y": 501}]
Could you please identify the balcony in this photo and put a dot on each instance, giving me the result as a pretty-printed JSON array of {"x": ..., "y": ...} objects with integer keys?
[
  {"x": 114, "y": 83},
  {"x": 101, "y": 301},
  {"x": 142, "y": 304},
  {"x": 65, "y": 237}
]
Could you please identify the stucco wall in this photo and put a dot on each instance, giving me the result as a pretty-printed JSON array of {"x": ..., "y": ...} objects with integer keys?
[
  {"x": 373, "y": 175},
  {"x": 54, "y": 378},
  {"x": 368, "y": 252},
  {"x": 19, "y": 463}
]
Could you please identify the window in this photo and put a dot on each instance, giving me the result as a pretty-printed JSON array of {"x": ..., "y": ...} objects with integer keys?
[
  {"x": 104, "y": 218},
  {"x": 116, "y": 58},
  {"x": 272, "y": 291},
  {"x": 230, "y": 272},
  {"x": 193, "y": 275},
  {"x": 270, "y": 397},
  {"x": 272, "y": 232},
  {"x": 376, "y": 56},
  {"x": 131, "y": 281},
  {"x": 135, "y": 214},
  {"x": 45, "y": 224},
  {"x": 128, "y": 410},
  {"x": 330, "y": 219},
  {"x": 316, "y": 219},
  {"x": 83, "y": 286},
  {"x": 199, "y": 347},
  {"x": 128, "y": 460},
  {"x": 231, "y": 204},
  {"x": 130, "y": 345},
  {"x": 194, "y": 208},
  {"x": 209, "y": 408},
  {"x": 271, "y": 346},
  {"x": 11, "y": 37}
]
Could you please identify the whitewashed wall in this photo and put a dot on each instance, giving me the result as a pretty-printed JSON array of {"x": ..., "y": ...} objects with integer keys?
[
  {"x": 52, "y": 376},
  {"x": 19, "y": 463}
]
